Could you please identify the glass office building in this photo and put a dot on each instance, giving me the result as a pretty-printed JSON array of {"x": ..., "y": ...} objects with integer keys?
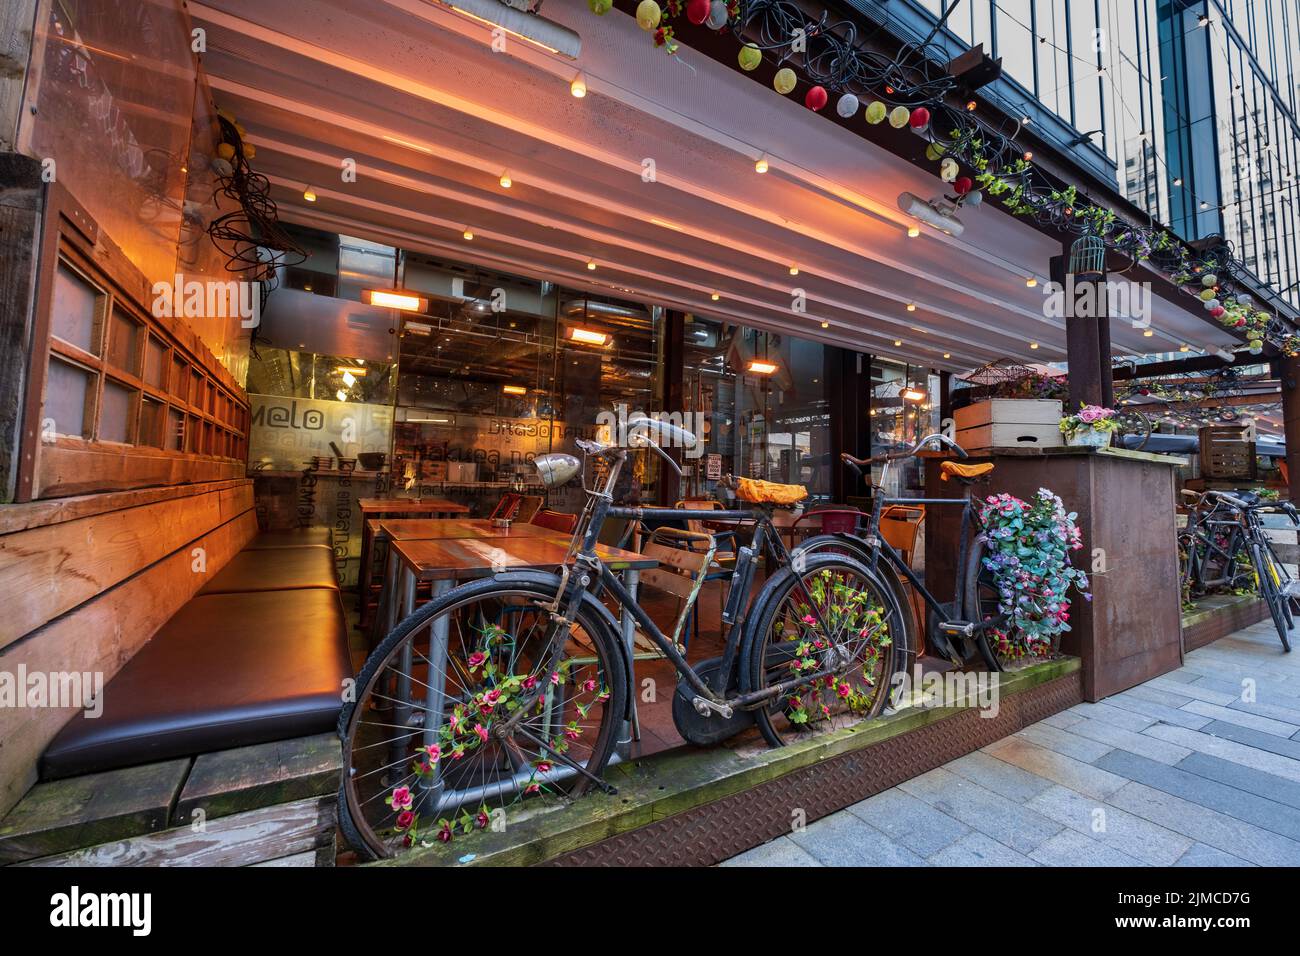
[{"x": 1189, "y": 106}]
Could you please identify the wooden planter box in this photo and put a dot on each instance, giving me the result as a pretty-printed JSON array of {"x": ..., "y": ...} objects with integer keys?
[{"x": 1009, "y": 423}]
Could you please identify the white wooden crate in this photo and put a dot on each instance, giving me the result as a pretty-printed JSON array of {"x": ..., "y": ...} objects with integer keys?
[{"x": 1009, "y": 435}]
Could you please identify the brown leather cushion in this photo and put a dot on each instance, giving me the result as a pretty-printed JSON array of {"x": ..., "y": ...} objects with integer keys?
[
  {"x": 226, "y": 671},
  {"x": 294, "y": 538},
  {"x": 275, "y": 569}
]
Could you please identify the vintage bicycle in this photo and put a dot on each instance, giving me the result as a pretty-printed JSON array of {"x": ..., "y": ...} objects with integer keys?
[
  {"x": 517, "y": 687},
  {"x": 958, "y": 629},
  {"x": 1225, "y": 546}
]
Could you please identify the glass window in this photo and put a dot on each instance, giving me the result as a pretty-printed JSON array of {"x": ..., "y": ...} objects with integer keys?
[
  {"x": 115, "y": 417},
  {"x": 74, "y": 317},
  {"x": 123, "y": 337},
  {"x": 69, "y": 397}
]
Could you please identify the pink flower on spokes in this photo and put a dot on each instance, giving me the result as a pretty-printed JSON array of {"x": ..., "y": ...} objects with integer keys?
[
  {"x": 482, "y": 732},
  {"x": 404, "y": 820},
  {"x": 434, "y": 752},
  {"x": 476, "y": 659},
  {"x": 809, "y": 619},
  {"x": 533, "y": 788},
  {"x": 589, "y": 685},
  {"x": 401, "y": 799}
]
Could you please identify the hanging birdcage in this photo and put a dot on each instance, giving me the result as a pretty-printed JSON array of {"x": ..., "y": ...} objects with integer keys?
[{"x": 1088, "y": 258}]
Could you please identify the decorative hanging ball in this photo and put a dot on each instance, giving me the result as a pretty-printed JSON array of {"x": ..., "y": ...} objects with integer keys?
[
  {"x": 1209, "y": 279},
  {"x": 1256, "y": 346},
  {"x": 961, "y": 185},
  {"x": 920, "y": 118},
  {"x": 1239, "y": 323},
  {"x": 648, "y": 15},
  {"x": 898, "y": 117},
  {"x": 933, "y": 151},
  {"x": 847, "y": 106},
  {"x": 222, "y": 167},
  {"x": 974, "y": 197},
  {"x": 815, "y": 98},
  {"x": 717, "y": 15},
  {"x": 1243, "y": 298},
  {"x": 249, "y": 151},
  {"x": 875, "y": 112},
  {"x": 1217, "y": 311},
  {"x": 697, "y": 11},
  {"x": 948, "y": 170},
  {"x": 749, "y": 57},
  {"x": 225, "y": 151},
  {"x": 1207, "y": 295},
  {"x": 1210, "y": 303},
  {"x": 600, "y": 7},
  {"x": 785, "y": 80}
]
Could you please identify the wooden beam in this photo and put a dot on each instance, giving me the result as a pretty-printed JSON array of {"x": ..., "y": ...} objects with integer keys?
[
  {"x": 17, "y": 22},
  {"x": 1289, "y": 372},
  {"x": 45, "y": 572}
]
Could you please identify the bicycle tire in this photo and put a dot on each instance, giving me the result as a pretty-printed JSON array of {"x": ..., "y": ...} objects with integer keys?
[
  {"x": 1268, "y": 590},
  {"x": 764, "y": 663},
  {"x": 973, "y": 604},
  {"x": 359, "y": 833}
]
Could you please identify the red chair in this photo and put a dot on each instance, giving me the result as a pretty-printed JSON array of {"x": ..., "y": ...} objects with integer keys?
[
  {"x": 826, "y": 521},
  {"x": 555, "y": 520},
  {"x": 507, "y": 506}
]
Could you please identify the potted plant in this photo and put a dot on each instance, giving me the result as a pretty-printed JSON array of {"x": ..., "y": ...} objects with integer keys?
[{"x": 1091, "y": 425}]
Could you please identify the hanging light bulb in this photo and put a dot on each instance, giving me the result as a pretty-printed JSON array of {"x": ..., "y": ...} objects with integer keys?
[
  {"x": 578, "y": 87},
  {"x": 506, "y": 181},
  {"x": 760, "y": 166},
  {"x": 309, "y": 194}
]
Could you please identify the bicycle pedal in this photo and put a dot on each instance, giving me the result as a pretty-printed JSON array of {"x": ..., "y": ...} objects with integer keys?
[{"x": 957, "y": 628}]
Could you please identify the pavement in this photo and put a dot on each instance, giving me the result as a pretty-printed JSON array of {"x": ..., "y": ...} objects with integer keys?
[{"x": 1198, "y": 767}]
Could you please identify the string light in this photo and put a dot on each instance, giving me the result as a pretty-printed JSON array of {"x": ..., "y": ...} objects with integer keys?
[
  {"x": 309, "y": 194},
  {"x": 578, "y": 87},
  {"x": 469, "y": 236},
  {"x": 506, "y": 181},
  {"x": 761, "y": 165}
]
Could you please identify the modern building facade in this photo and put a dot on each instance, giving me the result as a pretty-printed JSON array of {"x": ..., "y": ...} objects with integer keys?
[{"x": 1187, "y": 106}]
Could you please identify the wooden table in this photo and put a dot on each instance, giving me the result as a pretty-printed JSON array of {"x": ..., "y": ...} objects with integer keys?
[
  {"x": 372, "y": 508},
  {"x": 408, "y": 529}
]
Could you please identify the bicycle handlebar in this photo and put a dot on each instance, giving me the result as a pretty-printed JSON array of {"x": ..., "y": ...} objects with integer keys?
[{"x": 857, "y": 463}]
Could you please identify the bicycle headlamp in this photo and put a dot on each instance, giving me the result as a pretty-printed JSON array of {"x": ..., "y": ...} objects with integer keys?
[{"x": 556, "y": 468}]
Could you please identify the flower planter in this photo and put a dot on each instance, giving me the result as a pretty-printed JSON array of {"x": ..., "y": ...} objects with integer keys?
[{"x": 1088, "y": 437}]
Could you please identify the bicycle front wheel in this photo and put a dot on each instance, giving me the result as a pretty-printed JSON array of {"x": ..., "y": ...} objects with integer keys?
[
  {"x": 1270, "y": 589},
  {"x": 830, "y": 631},
  {"x": 475, "y": 709}
]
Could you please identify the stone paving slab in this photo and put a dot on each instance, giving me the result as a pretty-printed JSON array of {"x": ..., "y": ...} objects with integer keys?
[{"x": 1179, "y": 771}]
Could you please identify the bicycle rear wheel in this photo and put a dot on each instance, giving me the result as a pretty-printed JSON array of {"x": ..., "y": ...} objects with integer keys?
[
  {"x": 426, "y": 749},
  {"x": 981, "y": 601},
  {"x": 834, "y": 623}
]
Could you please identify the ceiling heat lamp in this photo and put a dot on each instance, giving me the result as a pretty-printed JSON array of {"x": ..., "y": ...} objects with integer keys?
[
  {"x": 939, "y": 212},
  {"x": 395, "y": 299},
  {"x": 520, "y": 19}
]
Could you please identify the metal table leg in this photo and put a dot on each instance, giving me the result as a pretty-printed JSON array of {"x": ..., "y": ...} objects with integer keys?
[
  {"x": 632, "y": 728},
  {"x": 435, "y": 692},
  {"x": 363, "y": 575}
]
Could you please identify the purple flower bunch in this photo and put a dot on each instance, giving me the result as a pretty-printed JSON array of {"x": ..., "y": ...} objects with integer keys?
[{"x": 1029, "y": 545}]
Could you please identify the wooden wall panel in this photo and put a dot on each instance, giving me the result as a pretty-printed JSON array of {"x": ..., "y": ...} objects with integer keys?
[
  {"x": 103, "y": 633},
  {"x": 45, "y": 572}
]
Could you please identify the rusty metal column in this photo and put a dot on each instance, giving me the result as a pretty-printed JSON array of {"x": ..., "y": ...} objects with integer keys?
[
  {"x": 1289, "y": 373},
  {"x": 1082, "y": 345}
]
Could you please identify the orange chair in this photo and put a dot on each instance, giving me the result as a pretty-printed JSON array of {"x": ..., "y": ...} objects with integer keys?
[
  {"x": 900, "y": 525},
  {"x": 507, "y": 506},
  {"x": 825, "y": 521},
  {"x": 528, "y": 507},
  {"x": 555, "y": 520}
]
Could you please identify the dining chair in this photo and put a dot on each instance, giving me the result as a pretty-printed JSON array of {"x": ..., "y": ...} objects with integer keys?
[
  {"x": 827, "y": 520},
  {"x": 507, "y": 506},
  {"x": 528, "y": 507},
  {"x": 900, "y": 525},
  {"x": 555, "y": 520}
]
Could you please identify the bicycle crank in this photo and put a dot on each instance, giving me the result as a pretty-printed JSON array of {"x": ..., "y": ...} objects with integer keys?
[{"x": 707, "y": 725}]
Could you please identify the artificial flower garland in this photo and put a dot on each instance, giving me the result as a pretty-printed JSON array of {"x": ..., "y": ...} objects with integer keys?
[{"x": 917, "y": 85}]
